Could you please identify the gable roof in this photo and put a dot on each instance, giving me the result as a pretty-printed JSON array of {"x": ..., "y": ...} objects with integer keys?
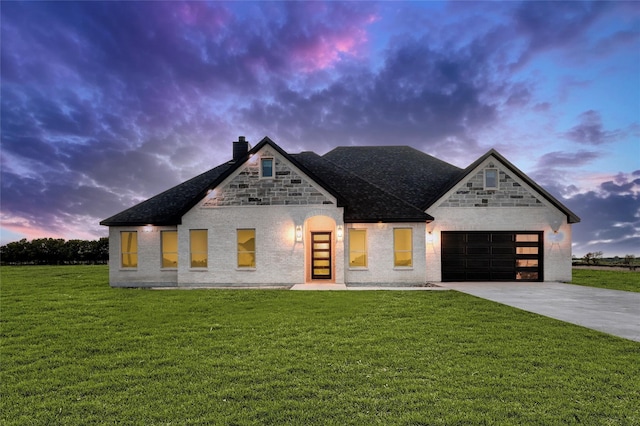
[
  {"x": 373, "y": 184},
  {"x": 412, "y": 175},
  {"x": 168, "y": 207},
  {"x": 571, "y": 217}
]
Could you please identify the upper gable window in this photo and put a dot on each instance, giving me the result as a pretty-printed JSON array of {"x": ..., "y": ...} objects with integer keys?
[
  {"x": 266, "y": 167},
  {"x": 491, "y": 179}
]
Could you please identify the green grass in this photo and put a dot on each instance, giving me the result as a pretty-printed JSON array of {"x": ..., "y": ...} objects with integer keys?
[
  {"x": 614, "y": 280},
  {"x": 75, "y": 351}
]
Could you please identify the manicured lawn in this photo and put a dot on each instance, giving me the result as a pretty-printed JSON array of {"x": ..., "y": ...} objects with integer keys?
[
  {"x": 614, "y": 280},
  {"x": 75, "y": 351}
]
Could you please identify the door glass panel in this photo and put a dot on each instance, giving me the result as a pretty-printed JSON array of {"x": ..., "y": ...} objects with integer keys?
[
  {"x": 527, "y": 250},
  {"x": 530, "y": 238},
  {"x": 321, "y": 255},
  {"x": 524, "y": 263},
  {"x": 526, "y": 275}
]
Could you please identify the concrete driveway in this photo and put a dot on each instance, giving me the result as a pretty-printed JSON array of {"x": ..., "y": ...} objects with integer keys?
[{"x": 610, "y": 311}]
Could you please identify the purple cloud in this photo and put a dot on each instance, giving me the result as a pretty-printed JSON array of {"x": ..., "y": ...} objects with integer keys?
[
  {"x": 110, "y": 103},
  {"x": 590, "y": 130}
]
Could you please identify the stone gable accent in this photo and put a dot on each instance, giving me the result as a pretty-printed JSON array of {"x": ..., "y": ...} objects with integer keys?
[
  {"x": 286, "y": 188},
  {"x": 509, "y": 193}
]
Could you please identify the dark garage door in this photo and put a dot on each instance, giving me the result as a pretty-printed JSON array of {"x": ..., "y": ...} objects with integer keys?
[{"x": 491, "y": 256}]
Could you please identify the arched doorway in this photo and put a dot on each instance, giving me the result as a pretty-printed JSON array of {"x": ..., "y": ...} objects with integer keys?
[{"x": 320, "y": 249}]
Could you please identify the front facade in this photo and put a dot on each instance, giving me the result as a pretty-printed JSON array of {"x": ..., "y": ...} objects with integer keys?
[{"x": 357, "y": 215}]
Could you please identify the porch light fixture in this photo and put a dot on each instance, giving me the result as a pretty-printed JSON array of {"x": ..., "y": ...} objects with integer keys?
[
  {"x": 556, "y": 237},
  {"x": 429, "y": 238},
  {"x": 299, "y": 233},
  {"x": 148, "y": 228},
  {"x": 340, "y": 232}
]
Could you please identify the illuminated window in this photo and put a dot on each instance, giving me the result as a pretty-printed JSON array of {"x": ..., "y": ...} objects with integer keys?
[
  {"x": 358, "y": 248},
  {"x": 491, "y": 179},
  {"x": 266, "y": 167},
  {"x": 129, "y": 249},
  {"x": 246, "y": 248},
  {"x": 199, "y": 250},
  {"x": 169, "y": 249},
  {"x": 402, "y": 247}
]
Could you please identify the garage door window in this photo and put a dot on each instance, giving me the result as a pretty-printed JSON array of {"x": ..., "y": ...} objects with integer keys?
[{"x": 527, "y": 257}]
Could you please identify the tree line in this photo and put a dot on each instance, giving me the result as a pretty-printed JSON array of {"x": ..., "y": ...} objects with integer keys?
[{"x": 55, "y": 251}]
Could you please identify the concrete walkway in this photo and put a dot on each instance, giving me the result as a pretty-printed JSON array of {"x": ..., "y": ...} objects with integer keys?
[
  {"x": 323, "y": 287},
  {"x": 610, "y": 311}
]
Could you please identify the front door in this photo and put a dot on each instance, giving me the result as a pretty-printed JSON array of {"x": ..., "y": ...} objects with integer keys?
[{"x": 321, "y": 255}]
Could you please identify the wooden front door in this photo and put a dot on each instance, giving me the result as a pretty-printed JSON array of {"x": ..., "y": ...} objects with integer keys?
[{"x": 321, "y": 255}]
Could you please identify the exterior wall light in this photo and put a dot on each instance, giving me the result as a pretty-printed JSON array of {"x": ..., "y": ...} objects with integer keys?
[
  {"x": 429, "y": 238},
  {"x": 299, "y": 233},
  {"x": 148, "y": 228},
  {"x": 556, "y": 237},
  {"x": 340, "y": 232}
]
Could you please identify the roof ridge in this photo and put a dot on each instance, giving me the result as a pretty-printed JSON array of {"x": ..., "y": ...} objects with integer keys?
[{"x": 371, "y": 183}]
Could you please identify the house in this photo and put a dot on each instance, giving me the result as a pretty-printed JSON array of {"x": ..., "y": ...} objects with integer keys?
[{"x": 388, "y": 215}]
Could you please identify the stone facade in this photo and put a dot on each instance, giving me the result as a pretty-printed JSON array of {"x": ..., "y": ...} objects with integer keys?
[
  {"x": 510, "y": 193},
  {"x": 247, "y": 188}
]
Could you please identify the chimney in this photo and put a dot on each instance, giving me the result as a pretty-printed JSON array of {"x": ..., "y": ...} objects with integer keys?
[{"x": 240, "y": 148}]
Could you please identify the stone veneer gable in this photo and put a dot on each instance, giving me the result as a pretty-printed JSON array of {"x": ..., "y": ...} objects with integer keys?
[
  {"x": 248, "y": 189},
  {"x": 509, "y": 193}
]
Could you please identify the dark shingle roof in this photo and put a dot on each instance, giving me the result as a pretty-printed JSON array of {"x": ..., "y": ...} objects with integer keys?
[
  {"x": 387, "y": 184},
  {"x": 168, "y": 207},
  {"x": 412, "y": 175},
  {"x": 364, "y": 202}
]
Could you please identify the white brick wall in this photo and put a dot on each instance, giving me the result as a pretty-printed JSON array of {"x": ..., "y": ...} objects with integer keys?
[
  {"x": 148, "y": 272},
  {"x": 279, "y": 258},
  {"x": 557, "y": 256},
  {"x": 380, "y": 269}
]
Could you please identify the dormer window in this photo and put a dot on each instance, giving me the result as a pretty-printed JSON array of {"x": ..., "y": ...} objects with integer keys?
[
  {"x": 491, "y": 179},
  {"x": 266, "y": 167}
]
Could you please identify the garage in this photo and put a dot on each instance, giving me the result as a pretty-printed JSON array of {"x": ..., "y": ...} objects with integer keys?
[{"x": 492, "y": 256}]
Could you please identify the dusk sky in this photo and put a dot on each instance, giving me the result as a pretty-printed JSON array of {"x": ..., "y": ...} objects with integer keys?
[{"x": 106, "y": 104}]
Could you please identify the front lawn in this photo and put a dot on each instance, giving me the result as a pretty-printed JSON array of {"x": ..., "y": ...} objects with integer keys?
[
  {"x": 614, "y": 280},
  {"x": 75, "y": 351}
]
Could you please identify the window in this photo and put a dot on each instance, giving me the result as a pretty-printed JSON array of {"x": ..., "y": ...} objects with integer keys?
[
  {"x": 246, "y": 248},
  {"x": 266, "y": 167},
  {"x": 129, "y": 249},
  {"x": 491, "y": 179},
  {"x": 199, "y": 249},
  {"x": 358, "y": 248},
  {"x": 402, "y": 247},
  {"x": 169, "y": 249}
]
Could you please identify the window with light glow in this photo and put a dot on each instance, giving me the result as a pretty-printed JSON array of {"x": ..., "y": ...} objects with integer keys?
[
  {"x": 169, "y": 249},
  {"x": 358, "y": 248},
  {"x": 198, "y": 247},
  {"x": 129, "y": 249},
  {"x": 491, "y": 179},
  {"x": 266, "y": 167},
  {"x": 246, "y": 248},
  {"x": 402, "y": 247}
]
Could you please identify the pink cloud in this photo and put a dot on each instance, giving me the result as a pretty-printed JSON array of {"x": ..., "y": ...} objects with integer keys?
[{"x": 328, "y": 46}]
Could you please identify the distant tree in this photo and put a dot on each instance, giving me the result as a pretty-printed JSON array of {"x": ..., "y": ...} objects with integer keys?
[
  {"x": 593, "y": 257},
  {"x": 629, "y": 261},
  {"x": 55, "y": 251}
]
